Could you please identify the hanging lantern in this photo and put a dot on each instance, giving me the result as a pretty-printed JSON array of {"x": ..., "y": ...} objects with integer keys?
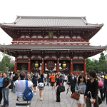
[
  {"x": 36, "y": 65},
  {"x": 64, "y": 65}
]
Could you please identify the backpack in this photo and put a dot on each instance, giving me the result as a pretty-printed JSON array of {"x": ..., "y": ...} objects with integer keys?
[
  {"x": 27, "y": 94},
  {"x": 100, "y": 84}
]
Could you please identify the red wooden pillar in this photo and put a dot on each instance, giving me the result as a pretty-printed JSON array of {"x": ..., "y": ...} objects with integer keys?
[
  {"x": 84, "y": 66},
  {"x": 29, "y": 66},
  {"x": 57, "y": 66},
  {"x": 43, "y": 67},
  {"x": 71, "y": 66},
  {"x": 15, "y": 66}
]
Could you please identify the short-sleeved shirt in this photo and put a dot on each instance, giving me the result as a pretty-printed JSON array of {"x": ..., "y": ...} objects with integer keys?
[
  {"x": 1, "y": 82},
  {"x": 6, "y": 82},
  {"x": 20, "y": 86},
  {"x": 52, "y": 78}
]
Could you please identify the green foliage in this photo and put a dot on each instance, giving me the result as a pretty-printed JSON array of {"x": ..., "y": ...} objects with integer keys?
[
  {"x": 102, "y": 63},
  {"x": 5, "y": 64},
  {"x": 11, "y": 67},
  {"x": 97, "y": 65},
  {"x": 92, "y": 65},
  {"x": 102, "y": 57}
]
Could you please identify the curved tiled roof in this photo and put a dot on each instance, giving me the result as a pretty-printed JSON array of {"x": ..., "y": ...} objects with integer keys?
[{"x": 50, "y": 21}]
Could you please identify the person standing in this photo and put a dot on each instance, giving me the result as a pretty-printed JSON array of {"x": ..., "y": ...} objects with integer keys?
[
  {"x": 48, "y": 79},
  {"x": 41, "y": 86},
  {"x": 91, "y": 94},
  {"x": 15, "y": 77},
  {"x": 52, "y": 80},
  {"x": 1, "y": 86},
  {"x": 59, "y": 82},
  {"x": 105, "y": 87},
  {"x": 81, "y": 86},
  {"x": 34, "y": 80},
  {"x": 72, "y": 82},
  {"x": 5, "y": 90},
  {"x": 101, "y": 87},
  {"x": 20, "y": 86}
]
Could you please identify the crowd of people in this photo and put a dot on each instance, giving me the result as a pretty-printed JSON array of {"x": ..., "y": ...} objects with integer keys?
[{"x": 87, "y": 85}]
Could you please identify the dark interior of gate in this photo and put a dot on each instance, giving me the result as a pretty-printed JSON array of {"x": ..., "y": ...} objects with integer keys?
[{"x": 50, "y": 66}]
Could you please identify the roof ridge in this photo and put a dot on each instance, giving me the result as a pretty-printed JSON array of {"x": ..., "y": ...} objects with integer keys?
[{"x": 51, "y": 17}]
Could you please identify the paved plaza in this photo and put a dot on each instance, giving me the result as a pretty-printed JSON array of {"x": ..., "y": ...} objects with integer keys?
[{"x": 49, "y": 99}]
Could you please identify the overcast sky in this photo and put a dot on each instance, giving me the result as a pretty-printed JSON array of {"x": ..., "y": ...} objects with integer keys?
[{"x": 94, "y": 10}]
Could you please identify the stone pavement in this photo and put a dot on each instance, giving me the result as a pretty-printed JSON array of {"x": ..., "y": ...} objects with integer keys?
[{"x": 49, "y": 99}]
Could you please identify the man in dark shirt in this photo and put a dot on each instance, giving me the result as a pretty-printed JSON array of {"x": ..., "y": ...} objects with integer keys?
[
  {"x": 59, "y": 81},
  {"x": 6, "y": 84},
  {"x": 72, "y": 82},
  {"x": 92, "y": 91}
]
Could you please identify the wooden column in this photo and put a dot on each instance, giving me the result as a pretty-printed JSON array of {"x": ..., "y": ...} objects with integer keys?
[
  {"x": 84, "y": 66},
  {"x": 15, "y": 66},
  {"x": 71, "y": 66},
  {"x": 57, "y": 65},
  {"x": 43, "y": 67},
  {"x": 29, "y": 66}
]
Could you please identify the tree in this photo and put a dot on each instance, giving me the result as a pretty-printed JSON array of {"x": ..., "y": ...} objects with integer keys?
[
  {"x": 96, "y": 63},
  {"x": 90, "y": 65},
  {"x": 102, "y": 63},
  {"x": 5, "y": 64},
  {"x": 11, "y": 67},
  {"x": 102, "y": 57}
]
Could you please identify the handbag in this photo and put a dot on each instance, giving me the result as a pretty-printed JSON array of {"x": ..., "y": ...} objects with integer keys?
[
  {"x": 99, "y": 100},
  {"x": 61, "y": 88},
  {"x": 41, "y": 85},
  {"x": 75, "y": 95}
]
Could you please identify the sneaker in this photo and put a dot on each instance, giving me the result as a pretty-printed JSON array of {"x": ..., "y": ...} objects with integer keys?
[{"x": 41, "y": 99}]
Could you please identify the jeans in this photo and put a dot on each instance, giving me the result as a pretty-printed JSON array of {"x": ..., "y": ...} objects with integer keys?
[
  {"x": 5, "y": 92},
  {"x": 0, "y": 94}
]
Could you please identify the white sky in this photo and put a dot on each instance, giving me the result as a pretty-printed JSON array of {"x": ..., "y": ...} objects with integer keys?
[{"x": 94, "y": 10}]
